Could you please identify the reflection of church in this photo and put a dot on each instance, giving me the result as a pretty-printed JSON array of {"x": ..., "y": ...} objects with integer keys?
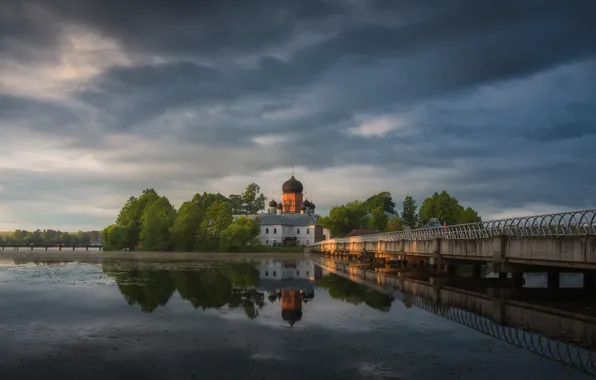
[
  {"x": 288, "y": 270},
  {"x": 291, "y": 306}
]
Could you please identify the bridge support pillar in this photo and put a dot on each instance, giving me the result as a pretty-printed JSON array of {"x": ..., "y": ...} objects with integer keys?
[
  {"x": 46, "y": 247},
  {"x": 477, "y": 271},
  {"x": 589, "y": 280},
  {"x": 518, "y": 280},
  {"x": 553, "y": 279}
]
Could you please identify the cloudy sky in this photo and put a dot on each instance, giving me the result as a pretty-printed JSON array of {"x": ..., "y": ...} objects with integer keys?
[{"x": 494, "y": 102}]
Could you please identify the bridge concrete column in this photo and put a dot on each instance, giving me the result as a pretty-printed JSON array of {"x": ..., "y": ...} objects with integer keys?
[
  {"x": 553, "y": 279},
  {"x": 518, "y": 280},
  {"x": 589, "y": 280},
  {"x": 477, "y": 271}
]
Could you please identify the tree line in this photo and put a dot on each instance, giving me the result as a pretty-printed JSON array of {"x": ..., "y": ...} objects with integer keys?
[
  {"x": 204, "y": 223},
  {"x": 50, "y": 237},
  {"x": 378, "y": 213}
]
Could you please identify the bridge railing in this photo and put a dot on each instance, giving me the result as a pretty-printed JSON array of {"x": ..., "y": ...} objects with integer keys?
[{"x": 572, "y": 223}]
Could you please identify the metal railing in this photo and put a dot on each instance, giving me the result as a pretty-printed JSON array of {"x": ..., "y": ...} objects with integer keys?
[{"x": 572, "y": 223}]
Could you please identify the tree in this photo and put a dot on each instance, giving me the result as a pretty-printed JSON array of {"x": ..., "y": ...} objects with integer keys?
[
  {"x": 240, "y": 234},
  {"x": 409, "y": 213},
  {"x": 378, "y": 219},
  {"x": 252, "y": 201},
  {"x": 157, "y": 220},
  {"x": 217, "y": 218},
  {"x": 469, "y": 215},
  {"x": 394, "y": 224},
  {"x": 343, "y": 219},
  {"x": 446, "y": 209},
  {"x": 383, "y": 200},
  {"x": 185, "y": 226},
  {"x": 116, "y": 237},
  {"x": 236, "y": 204}
]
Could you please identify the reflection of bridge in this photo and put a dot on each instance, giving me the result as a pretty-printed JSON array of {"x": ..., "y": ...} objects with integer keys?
[
  {"x": 559, "y": 335},
  {"x": 31, "y": 247},
  {"x": 555, "y": 241}
]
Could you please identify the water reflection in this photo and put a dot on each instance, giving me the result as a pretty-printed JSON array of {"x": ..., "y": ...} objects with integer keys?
[
  {"x": 340, "y": 288},
  {"x": 230, "y": 284},
  {"x": 362, "y": 327}
]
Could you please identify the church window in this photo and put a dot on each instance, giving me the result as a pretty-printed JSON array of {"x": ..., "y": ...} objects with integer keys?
[
  {"x": 298, "y": 231},
  {"x": 307, "y": 231},
  {"x": 266, "y": 242},
  {"x": 274, "y": 274},
  {"x": 307, "y": 273},
  {"x": 297, "y": 273},
  {"x": 266, "y": 273},
  {"x": 275, "y": 230},
  {"x": 266, "y": 230}
]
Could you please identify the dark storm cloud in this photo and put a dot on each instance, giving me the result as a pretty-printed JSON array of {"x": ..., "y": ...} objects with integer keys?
[{"x": 496, "y": 94}]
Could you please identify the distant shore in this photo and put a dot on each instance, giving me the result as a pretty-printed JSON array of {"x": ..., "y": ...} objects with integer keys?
[{"x": 99, "y": 256}]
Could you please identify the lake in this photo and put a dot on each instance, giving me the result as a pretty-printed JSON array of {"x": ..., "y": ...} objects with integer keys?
[{"x": 166, "y": 316}]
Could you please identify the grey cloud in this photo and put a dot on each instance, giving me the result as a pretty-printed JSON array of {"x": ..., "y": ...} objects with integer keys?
[{"x": 490, "y": 92}]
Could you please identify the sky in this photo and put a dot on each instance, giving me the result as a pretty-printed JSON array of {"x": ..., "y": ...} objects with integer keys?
[{"x": 494, "y": 102}]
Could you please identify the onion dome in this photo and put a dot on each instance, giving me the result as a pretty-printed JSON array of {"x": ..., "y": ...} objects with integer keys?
[
  {"x": 291, "y": 316},
  {"x": 273, "y": 203},
  {"x": 312, "y": 205},
  {"x": 306, "y": 203},
  {"x": 292, "y": 186},
  {"x": 279, "y": 206}
]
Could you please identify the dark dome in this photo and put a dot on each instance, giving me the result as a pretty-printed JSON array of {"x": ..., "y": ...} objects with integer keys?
[
  {"x": 279, "y": 206},
  {"x": 292, "y": 186},
  {"x": 273, "y": 203},
  {"x": 306, "y": 203},
  {"x": 291, "y": 316},
  {"x": 312, "y": 205}
]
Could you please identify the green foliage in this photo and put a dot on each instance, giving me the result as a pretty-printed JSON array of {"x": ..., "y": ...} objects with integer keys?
[
  {"x": 394, "y": 224},
  {"x": 351, "y": 292},
  {"x": 383, "y": 200},
  {"x": 253, "y": 201},
  {"x": 117, "y": 237},
  {"x": 409, "y": 212},
  {"x": 343, "y": 219},
  {"x": 249, "y": 202},
  {"x": 157, "y": 220},
  {"x": 378, "y": 219},
  {"x": 50, "y": 237},
  {"x": 217, "y": 218},
  {"x": 239, "y": 235},
  {"x": 212, "y": 287},
  {"x": 236, "y": 204},
  {"x": 447, "y": 209}
]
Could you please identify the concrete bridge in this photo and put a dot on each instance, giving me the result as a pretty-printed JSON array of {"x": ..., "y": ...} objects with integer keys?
[
  {"x": 31, "y": 247},
  {"x": 550, "y": 243},
  {"x": 561, "y": 335}
]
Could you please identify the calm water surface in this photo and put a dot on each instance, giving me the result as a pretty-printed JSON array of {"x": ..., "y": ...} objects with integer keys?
[{"x": 269, "y": 318}]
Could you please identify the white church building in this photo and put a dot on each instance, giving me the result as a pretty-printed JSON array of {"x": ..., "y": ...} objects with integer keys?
[{"x": 292, "y": 221}]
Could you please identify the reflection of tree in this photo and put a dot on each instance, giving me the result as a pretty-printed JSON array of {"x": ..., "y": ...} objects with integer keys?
[
  {"x": 208, "y": 287},
  {"x": 149, "y": 288},
  {"x": 343, "y": 289}
]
